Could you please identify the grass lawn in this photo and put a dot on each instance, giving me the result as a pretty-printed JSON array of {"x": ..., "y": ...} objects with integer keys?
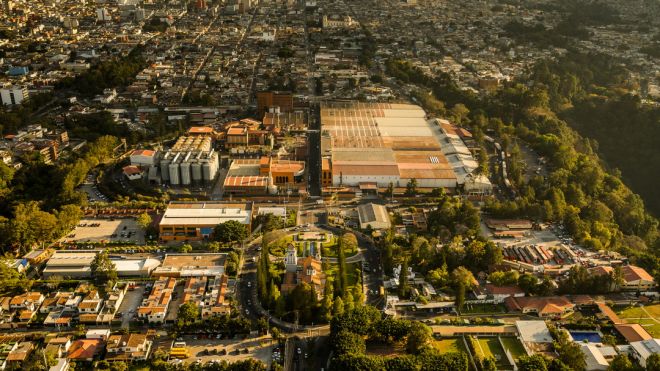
[
  {"x": 648, "y": 317},
  {"x": 278, "y": 248},
  {"x": 490, "y": 347},
  {"x": 483, "y": 308},
  {"x": 449, "y": 345},
  {"x": 514, "y": 346}
]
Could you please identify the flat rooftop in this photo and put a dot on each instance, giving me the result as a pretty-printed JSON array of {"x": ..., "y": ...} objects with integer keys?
[
  {"x": 206, "y": 213},
  {"x": 384, "y": 139},
  {"x": 68, "y": 258},
  {"x": 194, "y": 260}
]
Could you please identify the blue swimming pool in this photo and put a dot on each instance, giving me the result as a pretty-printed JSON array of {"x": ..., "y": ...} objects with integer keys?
[{"x": 581, "y": 336}]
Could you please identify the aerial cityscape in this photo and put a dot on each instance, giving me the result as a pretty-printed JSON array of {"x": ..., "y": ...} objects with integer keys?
[{"x": 406, "y": 185}]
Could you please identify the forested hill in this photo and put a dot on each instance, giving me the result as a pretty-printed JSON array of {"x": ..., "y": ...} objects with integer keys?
[{"x": 628, "y": 136}]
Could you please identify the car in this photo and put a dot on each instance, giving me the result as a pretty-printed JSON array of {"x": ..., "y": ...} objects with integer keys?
[
  {"x": 249, "y": 284},
  {"x": 299, "y": 350},
  {"x": 247, "y": 311}
]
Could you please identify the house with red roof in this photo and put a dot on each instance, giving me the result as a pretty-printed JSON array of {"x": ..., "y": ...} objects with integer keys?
[
  {"x": 84, "y": 350},
  {"x": 544, "y": 307},
  {"x": 634, "y": 278}
]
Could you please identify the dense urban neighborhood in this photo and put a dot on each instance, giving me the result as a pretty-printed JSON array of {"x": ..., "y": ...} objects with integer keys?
[{"x": 329, "y": 185}]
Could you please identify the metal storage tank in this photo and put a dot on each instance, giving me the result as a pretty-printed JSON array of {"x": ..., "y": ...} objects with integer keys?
[
  {"x": 196, "y": 168},
  {"x": 174, "y": 173},
  {"x": 164, "y": 170},
  {"x": 185, "y": 172},
  {"x": 206, "y": 169}
]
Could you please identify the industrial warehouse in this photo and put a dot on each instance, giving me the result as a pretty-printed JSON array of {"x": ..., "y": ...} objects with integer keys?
[
  {"x": 383, "y": 143},
  {"x": 194, "y": 221}
]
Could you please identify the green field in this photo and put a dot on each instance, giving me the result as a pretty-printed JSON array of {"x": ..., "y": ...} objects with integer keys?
[
  {"x": 514, "y": 346},
  {"x": 450, "y": 345},
  {"x": 490, "y": 347},
  {"x": 648, "y": 317}
]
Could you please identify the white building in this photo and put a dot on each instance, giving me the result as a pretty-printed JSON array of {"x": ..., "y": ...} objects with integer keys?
[
  {"x": 642, "y": 350},
  {"x": 12, "y": 95},
  {"x": 594, "y": 358},
  {"x": 144, "y": 157},
  {"x": 374, "y": 216}
]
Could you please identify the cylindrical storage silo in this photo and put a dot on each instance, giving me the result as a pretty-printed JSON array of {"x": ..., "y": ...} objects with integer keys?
[{"x": 185, "y": 172}]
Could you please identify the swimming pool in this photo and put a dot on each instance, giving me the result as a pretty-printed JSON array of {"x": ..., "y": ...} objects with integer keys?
[{"x": 581, "y": 336}]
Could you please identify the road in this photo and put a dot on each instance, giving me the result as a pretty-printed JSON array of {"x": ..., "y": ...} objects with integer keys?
[{"x": 314, "y": 151}]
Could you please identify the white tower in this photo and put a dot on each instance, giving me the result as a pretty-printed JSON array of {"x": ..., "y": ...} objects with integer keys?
[{"x": 291, "y": 259}]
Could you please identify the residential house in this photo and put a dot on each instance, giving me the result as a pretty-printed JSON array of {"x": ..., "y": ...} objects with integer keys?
[
  {"x": 544, "y": 307},
  {"x": 58, "y": 346},
  {"x": 154, "y": 308},
  {"x": 30, "y": 301},
  {"x": 84, "y": 350},
  {"x": 20, "y": 353},
  {"x": 128, "y": 347},
  {"x": 642, "y": 350},
  {"x": 634, "y": 278},
  {"x": 632, "y": 332}
]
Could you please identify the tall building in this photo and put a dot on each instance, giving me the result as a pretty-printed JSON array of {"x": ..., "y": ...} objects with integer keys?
[
  {"x": 200, "y": 4},
  {"x": 268, "y": 99},
  {"x": 103, "y": 15},
  {"x": 12, "y": 95}
]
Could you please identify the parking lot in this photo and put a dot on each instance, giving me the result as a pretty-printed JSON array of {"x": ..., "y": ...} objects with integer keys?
[
  {"x": 208, "y": 350},
  {"x": 128, "y": 307},
  {"x": 545, "y": 238},
  {"x": 106, "y": 230}
]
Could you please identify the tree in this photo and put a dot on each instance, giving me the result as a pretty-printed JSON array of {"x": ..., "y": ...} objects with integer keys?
[
  {"x": 144, "y": 221},
  {"x": 391, "y": 330},
  {"x": 327, "y": 302},
  {"x": 418, "y": 337},
  {"x": 230, "y": 231},
  {"x": 621, "y": 363},
  {"x": 653, "y": 362},
  {"x": 570, "y": 353},
  {"x": 341, "y": 260},
  {"x": 269, "y": 222},
  {"x": 188, "y": 313},
  {"x": 390, "y": 190},
  {"x": 459, "y": 113},
  {"x": 488, "y": 364},
  {"x": 346, "y": 342},
  {"x": 103, "y": 269},
  {"x": 31, "y": 226},
  {"x": 349, "y": 242},
  {"x": 411, "y": 187},
  {"x": 338, "y": 307},
  {"x": 609, "y": 340},
  {"x": 534, "y": 362},
  {"x": 11, "y": 281},
  {"x": 460, "y": 296},
  {"x": 403, "y": 279}
]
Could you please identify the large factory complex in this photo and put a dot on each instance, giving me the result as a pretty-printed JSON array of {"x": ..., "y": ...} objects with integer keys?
[
  {"x": 378, "y": 144},
  {"x": 364, "y": 147}
]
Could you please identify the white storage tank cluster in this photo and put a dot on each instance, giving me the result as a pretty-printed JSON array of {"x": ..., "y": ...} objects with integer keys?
[{"x": 192, "y": 160}]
